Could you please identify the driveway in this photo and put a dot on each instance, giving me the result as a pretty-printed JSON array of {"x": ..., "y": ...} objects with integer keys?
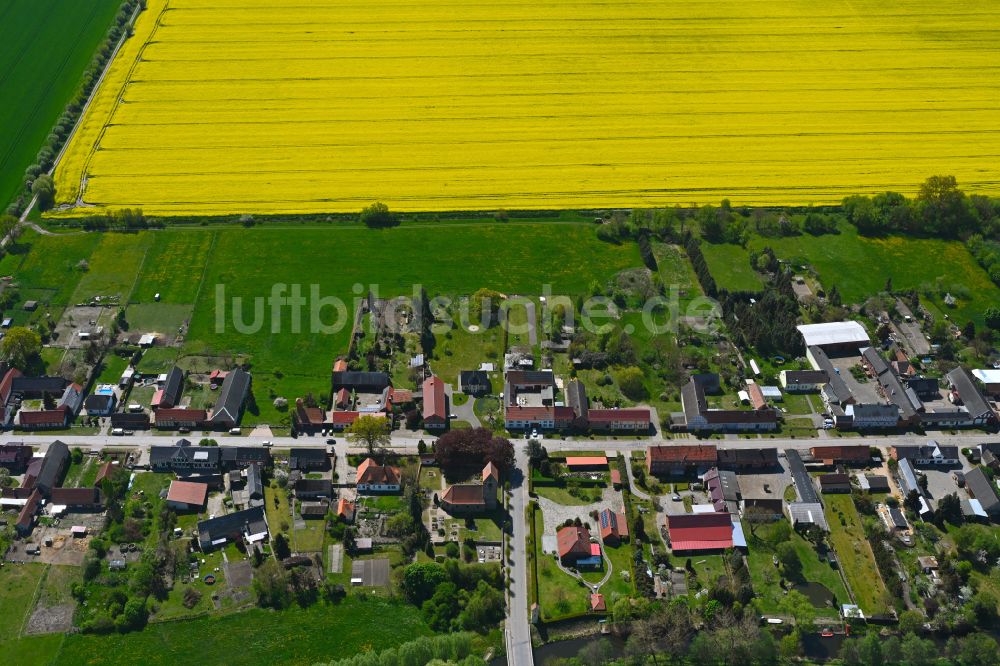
[{"x": 464, "y": 412}]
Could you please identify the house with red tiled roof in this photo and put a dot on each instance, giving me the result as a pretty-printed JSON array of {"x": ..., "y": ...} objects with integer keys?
[
  {"x": 171, "y": 419},
  {"x": 614, "y": 527},
  {"x": 342, "y": 398},
  {"x": 573, "y": 544},
  {"x": 6, "y": 384},
  {"x": 618, "y": 420},
  {"x": 435, "y": 411},
  {"x": 309, "y": 419},
  {"x": 680, "y": 459},
  {"x": 26, "y": 517},
  {"x": 187, "y": 495},
  {"x": 472, "y": 498},
  {"x": 345, "y": 510},
  {"x": 375, "y": 478},
  {"x": 541, "y": 418},
  {"x": 586, "y": 463},
  {"x": 757, "y": 399},
  {"x": 597, "y": 603},
  {"x": 15, "y": 457},
  {"x": 104, "y": 472},
  {"x": 857, "y": 454},
  {"x": 700, "y": 532},
  {"x": 43, "y": 419},
  {"x": 79, "y": 499},
  {"x": 344, "y": 420}
]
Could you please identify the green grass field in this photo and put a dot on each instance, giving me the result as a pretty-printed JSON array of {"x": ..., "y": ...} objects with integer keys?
[
  {"x": 855, "y": 554},
  {"x": 44, "y": 47},
  {"x": 447, "y": 261},
  {"x": 17, "y": 589},
  {"x": 859, "y": 267},
  {"x": 48, "y": 266},
  {"x": 730, "y": 267},
  {"x": 294, "y": 636}
]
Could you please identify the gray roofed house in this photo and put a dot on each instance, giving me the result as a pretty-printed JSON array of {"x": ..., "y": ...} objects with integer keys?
[
  {"x": 131, "y": 420},
  {"x": 72, "y": 398},
  {"x": 172, "y": 388},
  {"x": 930, "y": 453},
  {"x": 184, "y": 458},
  {"x": 475, "y": 382},
  {"x": 875, "y": 363},
  {"x": 807, "y": 513},
  {"x": 981, "y": 488},
  {"x": 925, "y": 387},
  {"x": 238, "y": 457},
  {"x": 313, "y": 488},
  {"x": 875, "y": 483},
  {"x": 249, "y": 524},
  {"x": 99, "y": 404},
  {"x": 896, "y": 519},
  {"x": 576, "y": 398},
  {"x": 698, "y": 416},
  {"x": 873, "y": 415},
  {"x": 362, "y": 382},
  {"x": 969, "y": 395},
  {"x": 232, "y": 396},
  {"x": 908, "y": 481},
  {"x": 36, "y": 387},
  {"x": 53, "y": 465},
  {"x": 748, "y": 458},
  {"x": 308, "y": 459},
  {"x": 255, "y": 484},
  {"x": 800, "y": 476},
  {"x": 835, "y": 391}
]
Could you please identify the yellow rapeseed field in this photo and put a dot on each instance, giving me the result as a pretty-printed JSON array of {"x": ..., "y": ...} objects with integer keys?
[{"x": 222, "y": 106}]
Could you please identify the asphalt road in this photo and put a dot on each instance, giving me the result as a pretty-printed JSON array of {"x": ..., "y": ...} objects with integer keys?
[
  {"x": 517, "y": 628},
  {"x": 407, "y": 443}
]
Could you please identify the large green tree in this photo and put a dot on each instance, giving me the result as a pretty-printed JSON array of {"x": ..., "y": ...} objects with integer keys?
[{"x": 20, "y": 345}]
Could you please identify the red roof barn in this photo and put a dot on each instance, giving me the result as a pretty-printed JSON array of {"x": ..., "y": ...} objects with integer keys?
[{"x": 692, "y": 532}]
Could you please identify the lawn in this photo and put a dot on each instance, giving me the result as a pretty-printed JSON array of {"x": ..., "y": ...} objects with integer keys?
[
  {"x": 383, "y": 503},
  {"x": 310, "y": 538},
  {"x": 157, "y": 360},
  {"x": 855, "y": 555},
  {"x": 562, "y": 495},
  {"x": 17, "y": 589},
  {"x": 796, "y": 403},
  {"x": 730, "y": 267},
  {"x": 621, "y": 560},
  {"x": 46, "y": 45},
  {"x": 276, "y": 505},
  {"x": 859, "y": 267},
  {"x": 461, "y": 349},
  {"x": 293, "y": 636},
  {"x": 112, "y": 367},
  {"x": 559, "y": 594},
  {"x": 765, "y": 576}
]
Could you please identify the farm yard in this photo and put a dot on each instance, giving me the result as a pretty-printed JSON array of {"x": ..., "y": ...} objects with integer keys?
[{"x": 287, "y": 110}]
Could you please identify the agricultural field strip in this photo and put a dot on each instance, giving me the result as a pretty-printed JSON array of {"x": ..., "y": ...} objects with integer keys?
[
  {"x": 44, "y": 47},
  {"x": 240, "y": 106}
]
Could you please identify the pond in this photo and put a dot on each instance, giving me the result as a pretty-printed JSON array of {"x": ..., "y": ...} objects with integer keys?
[{"x": 818, "y": 594}]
